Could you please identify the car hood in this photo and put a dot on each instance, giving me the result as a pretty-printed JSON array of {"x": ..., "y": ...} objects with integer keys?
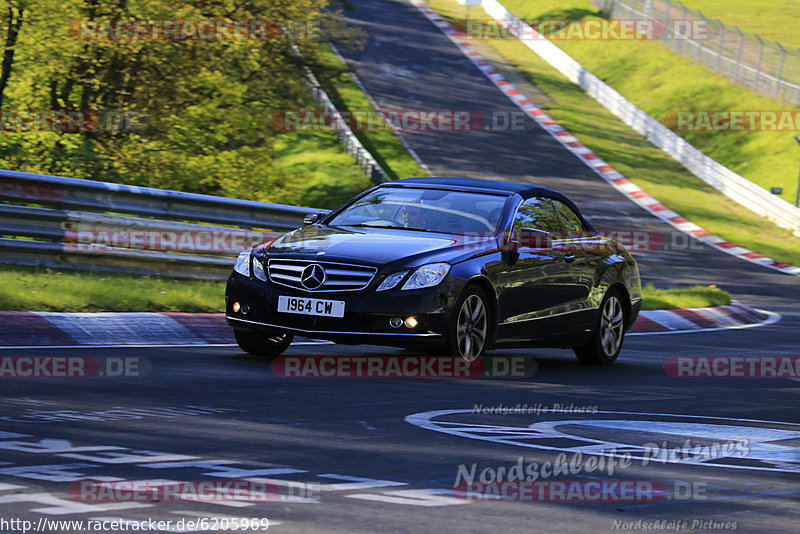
[{"x": 372, "y": 246}]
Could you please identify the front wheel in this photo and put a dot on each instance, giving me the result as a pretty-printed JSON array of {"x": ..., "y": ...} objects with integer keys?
[
  {"x": 261, "y": 344},
  {"x": 609, "y": 331},
  {"x": 469, "y": 329}
]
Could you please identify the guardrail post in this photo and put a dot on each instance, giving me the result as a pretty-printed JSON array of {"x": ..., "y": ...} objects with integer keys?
[
  {"x": 758, "y": 65},
  {"x": 721, "y": 44},
  {"x": 738, "y": 54},
  {"x": 779, "y": 82},
  {"x": 667, "y": 14}
]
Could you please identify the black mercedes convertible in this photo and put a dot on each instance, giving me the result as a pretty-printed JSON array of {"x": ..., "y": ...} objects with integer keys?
[{"x": 453, "y": 265}]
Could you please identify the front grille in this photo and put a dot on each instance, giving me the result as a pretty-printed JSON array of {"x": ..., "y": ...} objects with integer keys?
[{"x": 337, "y": 276}]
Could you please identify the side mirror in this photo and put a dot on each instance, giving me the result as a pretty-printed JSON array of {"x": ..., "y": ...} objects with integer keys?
[{"x": 311, "y": 218}]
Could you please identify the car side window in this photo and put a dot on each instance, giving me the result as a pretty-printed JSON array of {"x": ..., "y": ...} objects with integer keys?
[
  {"x": 569, "y": 219},
  {"x": 537, "y": 212}
]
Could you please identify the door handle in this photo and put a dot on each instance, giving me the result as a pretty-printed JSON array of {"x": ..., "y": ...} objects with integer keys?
[{"x": 569, "y": 258}]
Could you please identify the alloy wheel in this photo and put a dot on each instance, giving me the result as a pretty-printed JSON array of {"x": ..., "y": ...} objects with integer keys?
[
  {"x": 471, "y": 327},
  {"x": 611, "y": 326}
]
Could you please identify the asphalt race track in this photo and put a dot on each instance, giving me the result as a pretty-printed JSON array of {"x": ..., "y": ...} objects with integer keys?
[{"x": 364, "y": 455}]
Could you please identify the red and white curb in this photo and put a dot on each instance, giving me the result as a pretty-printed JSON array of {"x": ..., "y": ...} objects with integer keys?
[
  {"x": 133, "y": 329},
  {"x": 683, "y": 320},
  {"x": 592, "y": 160},
  {"x": 52, "y": 329}
]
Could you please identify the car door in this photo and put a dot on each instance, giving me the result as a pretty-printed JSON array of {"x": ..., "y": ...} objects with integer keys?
[
  {"x": 583, "y": 250},
  {"x": 534, "y": 282}
]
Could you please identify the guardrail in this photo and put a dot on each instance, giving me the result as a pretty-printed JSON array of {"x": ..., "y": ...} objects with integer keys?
[
  {"x": 160, "y": 232},
  {"x": 85, "y": 224},
  {"x": 737, "y": 187}
]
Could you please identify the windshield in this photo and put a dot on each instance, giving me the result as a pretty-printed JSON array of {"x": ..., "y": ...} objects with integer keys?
[{"x": 430, "y": 210}]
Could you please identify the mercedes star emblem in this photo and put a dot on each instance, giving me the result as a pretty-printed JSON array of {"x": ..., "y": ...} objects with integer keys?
[{"x": 313, "y": 276}]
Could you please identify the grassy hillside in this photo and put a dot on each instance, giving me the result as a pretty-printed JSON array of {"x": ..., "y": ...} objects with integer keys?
[
  {"x": 771, "y": 19},
  {"x": 662, "y": 81}
]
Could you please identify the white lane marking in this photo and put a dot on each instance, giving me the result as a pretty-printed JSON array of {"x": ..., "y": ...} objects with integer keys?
[
  {"x": 219, "y": 469},
  {"x": 53, "y": 446},
  {"x": 367, "y": 425},
  {"x": 356, "y": 483},
  {"x": 57, "y": 506},
  {"x": 7, "y": 435},
  {"x": 132, "y": 327},
  {"x": 55, "y": 472},
  {"x": 782, "y": 458},
  {"x": 133, "y": 457},
  {"x": 417, "y": 497},
  {"x": 4, "y": 487}
]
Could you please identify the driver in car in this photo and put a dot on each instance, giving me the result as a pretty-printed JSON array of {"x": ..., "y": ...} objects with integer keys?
[{"x": 414, "y": 216}]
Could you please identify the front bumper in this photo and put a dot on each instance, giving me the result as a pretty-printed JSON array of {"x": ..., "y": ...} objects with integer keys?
[{"x": 366, "y": 317}]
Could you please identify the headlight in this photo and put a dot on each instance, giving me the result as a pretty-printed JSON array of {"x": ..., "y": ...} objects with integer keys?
[
  {"x": 391, "y": 281},
  {"x": 427, "y": 276},
  {"x": 258, "y": 270},
  {"x": 242, "y": 265}
]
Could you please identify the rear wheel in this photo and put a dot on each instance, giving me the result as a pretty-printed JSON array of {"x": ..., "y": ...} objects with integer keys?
[
  {"x": 469, "y": 329},
  {"x": 263, "y": 344},
  {"x": 606, "y": 339}
]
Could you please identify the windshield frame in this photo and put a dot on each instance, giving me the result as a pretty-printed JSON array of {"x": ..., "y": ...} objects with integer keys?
[{"x": 508, "y": 204}]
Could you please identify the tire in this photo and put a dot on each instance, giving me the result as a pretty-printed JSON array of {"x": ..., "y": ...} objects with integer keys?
[
  {"x": 468, "y": 333},
  {"x": 608, "y": 334},
  {"x": 262, "y": 344}
]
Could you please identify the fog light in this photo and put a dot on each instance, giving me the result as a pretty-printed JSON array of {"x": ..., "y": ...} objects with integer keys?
[
  {"x": 395, "y": 322},
  {"x": 411, "y": 322},
  {"x": 236, "y": 307},
  {"x": 245, "y": 308}
]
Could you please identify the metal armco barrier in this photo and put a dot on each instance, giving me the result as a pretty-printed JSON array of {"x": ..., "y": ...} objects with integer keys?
[
  {"x": 161, "y": 232},
  {"x": 346, "y": 137}
]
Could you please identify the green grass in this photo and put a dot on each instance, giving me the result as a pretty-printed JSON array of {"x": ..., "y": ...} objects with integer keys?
[
  {"x": 658, "y": 80},
  {"x": 320, "y": 174},
  {"x": 771, "y": 19},
  {"x": 41, "y": 289},
  {"x": 312, "y": 166},
  {"x": 685, "y": 297},
  {"x": 384, "y": 145}
]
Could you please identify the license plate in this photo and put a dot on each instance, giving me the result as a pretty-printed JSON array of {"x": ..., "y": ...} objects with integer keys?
[{"x": 306, "y": 306}]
